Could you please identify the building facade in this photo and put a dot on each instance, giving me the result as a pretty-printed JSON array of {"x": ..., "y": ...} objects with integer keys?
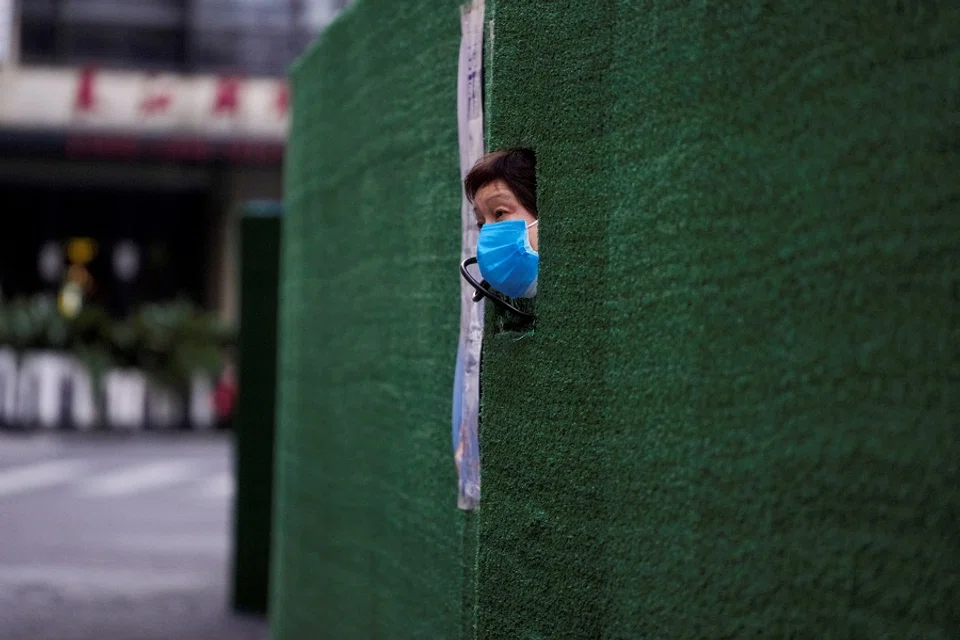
[
  {"x": 143, "y": 125},
  {"x": 132, "y": 133}
]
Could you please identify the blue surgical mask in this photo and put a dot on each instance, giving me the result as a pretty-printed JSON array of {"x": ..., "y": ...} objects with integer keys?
[{"x": 506, "y": 259}]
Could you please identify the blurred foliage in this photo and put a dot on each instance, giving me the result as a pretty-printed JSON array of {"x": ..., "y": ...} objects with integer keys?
[
  {"x": 174, "y": 341},
  {"x": 169, "y": 341},
  {"x": 33, "y": 323}
]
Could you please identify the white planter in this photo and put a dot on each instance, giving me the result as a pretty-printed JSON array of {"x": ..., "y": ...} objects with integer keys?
[
  {"x": 202, "y": 413},
  {"x": 43, "y": 376},
  {"x": 83, "y": 408},
  {"x": 52, "y": 390},
  {"x": 125, "y": 398},
  {"x": 8, "y": 386},
  {"x": 164, "y": 407}
]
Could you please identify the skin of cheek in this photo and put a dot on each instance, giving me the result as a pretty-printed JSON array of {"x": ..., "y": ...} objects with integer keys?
[{"x": 485, "y": 207}]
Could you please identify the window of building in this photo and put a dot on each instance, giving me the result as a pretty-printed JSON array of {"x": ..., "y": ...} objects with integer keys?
[{"x": 257, "y": 37}]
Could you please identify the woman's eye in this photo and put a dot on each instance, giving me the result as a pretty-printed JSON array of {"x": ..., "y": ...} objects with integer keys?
[{"x": 500, "y": 213}]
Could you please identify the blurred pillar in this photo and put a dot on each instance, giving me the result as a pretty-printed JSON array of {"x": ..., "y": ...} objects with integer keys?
[
  {"x": 260, "y": 225},
  {"x": 9, "y": 34},
  {"x": 234, "y": 186}
]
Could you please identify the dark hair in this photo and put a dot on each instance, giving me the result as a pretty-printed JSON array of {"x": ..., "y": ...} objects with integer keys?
[{"x": 516, "y": 166}]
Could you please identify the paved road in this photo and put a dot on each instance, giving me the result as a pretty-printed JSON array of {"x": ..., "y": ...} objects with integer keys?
[{"x": 113, "y": 538}]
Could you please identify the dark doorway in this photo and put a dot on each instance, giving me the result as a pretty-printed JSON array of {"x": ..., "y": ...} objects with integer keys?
[{"x": 150, "y": 245}]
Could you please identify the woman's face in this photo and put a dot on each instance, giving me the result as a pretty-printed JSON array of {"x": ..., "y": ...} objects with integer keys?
[{"x": 494, "y": 202}]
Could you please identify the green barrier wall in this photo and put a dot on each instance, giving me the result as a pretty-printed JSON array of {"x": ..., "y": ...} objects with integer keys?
[
  {"x": 738, "y": 414},
  {"x": 254, "y": 429},
  {"x": 368, "y": 535}
]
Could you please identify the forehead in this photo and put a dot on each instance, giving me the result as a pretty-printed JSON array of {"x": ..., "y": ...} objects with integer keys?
[{"x": 492, "y": 192}]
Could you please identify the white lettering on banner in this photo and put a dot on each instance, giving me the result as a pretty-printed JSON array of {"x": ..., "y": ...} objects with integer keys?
[
  {"x": 91, "y": 100},
  {"x": 466, "y": 393}
]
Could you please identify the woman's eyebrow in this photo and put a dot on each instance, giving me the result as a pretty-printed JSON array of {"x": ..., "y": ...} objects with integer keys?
[{"x": 497, "y": 197}]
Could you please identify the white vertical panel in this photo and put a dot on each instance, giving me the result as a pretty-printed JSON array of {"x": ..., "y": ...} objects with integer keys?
[
  {"x": 6, "y": 31},
  {"x": 466, "y": 400}
]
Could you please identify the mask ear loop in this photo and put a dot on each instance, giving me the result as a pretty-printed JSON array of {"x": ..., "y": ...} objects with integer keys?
[{"x": 483, "y": 289}]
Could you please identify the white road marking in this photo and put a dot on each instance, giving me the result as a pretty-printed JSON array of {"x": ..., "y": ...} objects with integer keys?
[
  {"x": 219, "y": 487},
  {"x": 39, "y": 476},
  {"x": 213, "y": 543},
  {"x": 95, "y": 582},
  {"x": 131, "y": 480},
  {"x": 20, "y": 446}
]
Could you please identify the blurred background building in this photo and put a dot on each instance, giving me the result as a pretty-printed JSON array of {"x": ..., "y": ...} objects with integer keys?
[{"x": 139, "y": 128}]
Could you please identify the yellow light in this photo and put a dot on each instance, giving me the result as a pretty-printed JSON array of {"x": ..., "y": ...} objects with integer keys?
[
  {"x": 71, "y": 300},
  {"x": 81, "y": 250}
]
